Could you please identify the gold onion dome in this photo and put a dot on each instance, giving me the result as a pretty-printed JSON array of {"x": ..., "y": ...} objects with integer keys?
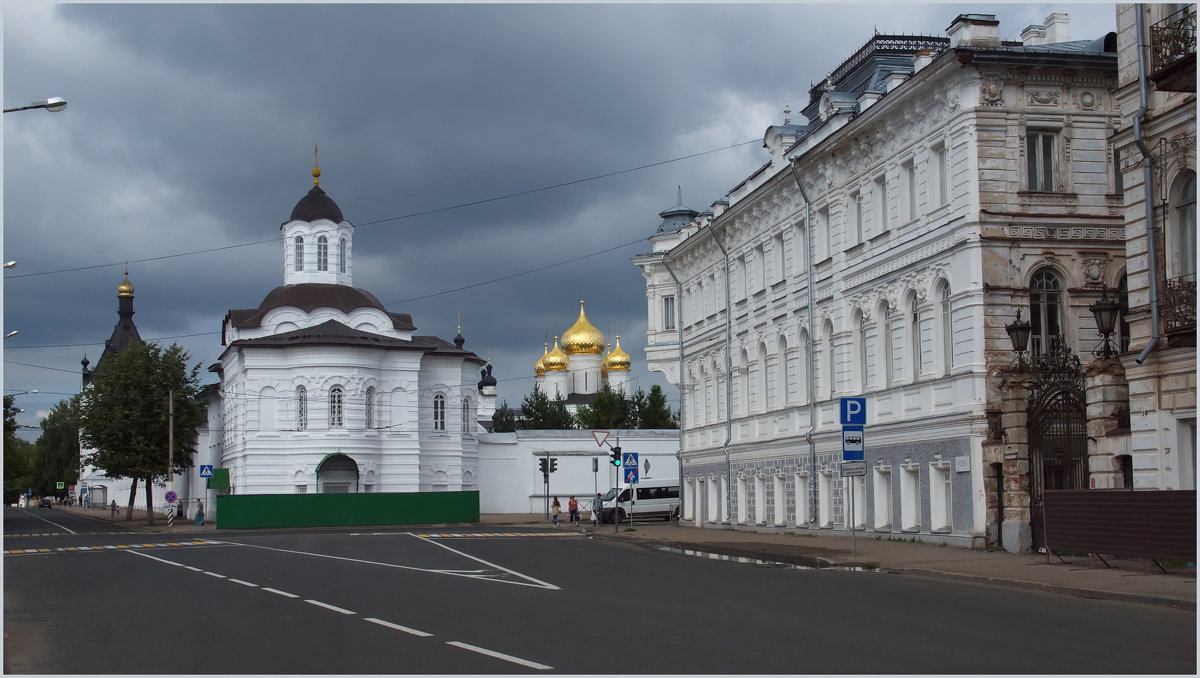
[
  {"x": 555, "y": 360},
  {"x": 583, "y": 337},
  {"x": 539, "y": 368},
  {"x": 617, "y": 359},
  {"x": 125, "y": 289}
]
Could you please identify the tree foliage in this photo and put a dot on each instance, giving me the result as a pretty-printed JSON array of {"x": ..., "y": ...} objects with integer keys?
[
  {"x": 541, "y": 412},
  {"x": 608, "y": 410},
  {"x": 504, "y": 419},
  {"x": 58, "y": 445},
  {"x": 653, "y": 411},
  {"x": 123, "y": 414}
]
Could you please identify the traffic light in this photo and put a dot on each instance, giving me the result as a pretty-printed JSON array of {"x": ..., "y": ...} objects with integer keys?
[
  {"x": 615, "y": 457},
  {"x": 553, "y": 464},
  {"x": 542, "y": 465}
]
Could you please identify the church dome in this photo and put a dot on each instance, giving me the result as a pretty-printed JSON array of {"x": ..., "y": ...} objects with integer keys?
[
  {"x": 316, "y": 204},
  {"x": 617, "y": 359},
  {"x": 556, "y": 360},
  {"x": 125, "y": 289},
  {"x": 583, "y": 337},
  {"x": 539, "y": 368}
]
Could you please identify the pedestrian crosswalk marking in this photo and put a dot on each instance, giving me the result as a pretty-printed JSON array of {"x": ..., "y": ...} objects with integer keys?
[
  {"x": 60, "y": 549},
  {"x": 57, "y": 534}
]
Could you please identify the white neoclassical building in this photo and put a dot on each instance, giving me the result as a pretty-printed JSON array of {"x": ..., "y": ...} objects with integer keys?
[
  {"x": 936, "y": 186},
  {"x": 322, "y": 389}
]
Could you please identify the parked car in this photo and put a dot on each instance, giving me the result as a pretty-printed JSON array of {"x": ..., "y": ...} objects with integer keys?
[
  {"x": 46, "y": 502},
  {"x": 654, "y": 499}
]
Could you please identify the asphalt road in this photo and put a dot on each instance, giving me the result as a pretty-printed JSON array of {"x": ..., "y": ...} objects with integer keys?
[{"x": 420, "y": 601}]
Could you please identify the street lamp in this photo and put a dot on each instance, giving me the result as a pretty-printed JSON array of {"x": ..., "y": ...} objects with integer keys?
[
  {"x": 13, "y": 333},
  {"x": 1105, "y": 311},
  {"x": 10, "y": 264},
  {"x": 53, "y": 104},
  {"x": 1018, "y": 331},
  {"x": 12, "y": 395}
]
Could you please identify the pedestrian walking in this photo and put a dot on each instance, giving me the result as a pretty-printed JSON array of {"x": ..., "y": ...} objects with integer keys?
[
  {"x": 199, "y": 512},
  {"x": 573, "y": 510},
  {"x": 113, "y": 508},
  {"x": 555, "y": 509},
  {"x": 597, "y": 504}
]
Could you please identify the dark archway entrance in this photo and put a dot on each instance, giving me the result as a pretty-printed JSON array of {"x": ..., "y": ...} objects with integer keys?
[
  {"x": 1058, "y": 458},
  {"x": 337, "y": 474}
]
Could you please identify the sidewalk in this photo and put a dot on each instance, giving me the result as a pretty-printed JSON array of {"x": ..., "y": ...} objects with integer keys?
[{"x": 1127, "y": 580}]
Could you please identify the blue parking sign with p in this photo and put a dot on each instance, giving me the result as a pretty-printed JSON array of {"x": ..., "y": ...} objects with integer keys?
[{"x": 853, "y": 411}]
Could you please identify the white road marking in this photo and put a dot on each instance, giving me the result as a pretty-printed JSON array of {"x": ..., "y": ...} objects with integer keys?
[
  {"x": 398, "y": 627},
  {"x": 28, "y": 512},
  {"x": 193, "y": 569},
  {"x": 243, "y": 583},
  {"x": 529, "y": 581},
  {"x": 214, "y": 574},
  {"x": 327, "y": 606},
  {"x": 161, "y": 560},
  {"x": 500, "y": 655},
  {"x": 282, "y": 593},
  {"x": 536, "y": 582}
]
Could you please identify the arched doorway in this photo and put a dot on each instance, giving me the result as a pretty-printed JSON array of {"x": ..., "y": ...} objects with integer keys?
[
  {"x": 1057, "y": 427},
  {"x": 337, "y": 474}
]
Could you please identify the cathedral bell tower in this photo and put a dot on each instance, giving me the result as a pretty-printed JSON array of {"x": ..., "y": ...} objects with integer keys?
[{"x": 317, "y": 240}]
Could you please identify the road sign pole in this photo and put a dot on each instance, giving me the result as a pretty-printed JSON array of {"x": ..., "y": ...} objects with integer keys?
[
  {"x": 617, "y": 499},
  {"x": 853, "y": 551}
]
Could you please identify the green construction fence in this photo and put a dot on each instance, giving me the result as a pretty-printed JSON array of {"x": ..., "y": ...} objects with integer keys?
[{"x": 240, "y": 511}]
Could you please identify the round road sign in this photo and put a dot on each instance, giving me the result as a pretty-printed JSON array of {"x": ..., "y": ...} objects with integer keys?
[{"x": 171, "y": 497}]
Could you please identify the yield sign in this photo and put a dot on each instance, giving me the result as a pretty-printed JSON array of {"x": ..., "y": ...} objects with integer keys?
[{"x": 600, "y": 437}]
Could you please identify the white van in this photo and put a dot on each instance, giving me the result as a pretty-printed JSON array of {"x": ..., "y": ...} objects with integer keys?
[{"x": 654, "y": 499}]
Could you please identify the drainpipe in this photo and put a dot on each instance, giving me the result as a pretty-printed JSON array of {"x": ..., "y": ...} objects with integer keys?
[
  {"x": 1147, "y": 186},
  {"x": 728, "y": 378},
  {"x": 682, "y": 398},
  {"x": 812, "y": 394}
]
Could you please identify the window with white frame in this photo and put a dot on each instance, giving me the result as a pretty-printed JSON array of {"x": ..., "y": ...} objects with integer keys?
[
  {"x": 823, "y": 235},
  {"x": 855, "y": 216},
  {"x": 908, "y": 179},
  {"x": 766, "y": 380},
  {"x": 802, "y": 498},
  {"x": 322, "y": 253},
  {"x": 342, "y": 255},
  {"x": 668, "y": 312},
  {"x": 914, "y": 338},
  {"x": 947, "y": 327},
  {"x": 856, "y": 514},
  {"x": 299, "y": 253},
  {"x": 466, "y": 415},
  {"x": 882, "y": 494},
  {"x": 760, "y": 269},
  {"x": 939, "y": 496},
  {"x": 882, "y": 214},
  {"x": 827, "y": 387},
  {"x": 777, "y": 258},
  {"x": 1182, "y": 262},
  {"x": 1045, "y": 310},
  {"x": 860, "y": 350},
  {"x": 825, "y": 499},
  {"x": 1039, "y": 160},
  {"x": 782, "y": 378},
  {"x": 885, "y": 346},
  {"x": 337, "y": 407},
  {"x": 301, "y": 408},
  {"x": 803, "y": 350},
  {"x": 439, "y": 412},
  {"x": 798, "y": 245},
  {"x": 939, "y": 175},
  {"x": 369, "y": 407},
  {"x": 910, "y": 497}
]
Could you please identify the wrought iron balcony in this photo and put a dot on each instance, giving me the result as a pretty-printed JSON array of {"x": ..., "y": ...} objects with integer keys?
[
  {"x": 1173, "y": 51},
  {"x": 1178, "y": 307}
]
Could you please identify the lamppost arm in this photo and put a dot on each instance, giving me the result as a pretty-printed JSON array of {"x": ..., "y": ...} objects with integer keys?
[{"x": 53, "y": 104}]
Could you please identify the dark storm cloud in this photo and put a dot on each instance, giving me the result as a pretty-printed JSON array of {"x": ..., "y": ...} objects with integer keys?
[{"x": 190, "y": 128}]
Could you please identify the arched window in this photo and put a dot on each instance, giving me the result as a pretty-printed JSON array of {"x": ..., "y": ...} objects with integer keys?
[
  {"x": 337, "y": 407},
  {"x": 783, "y": 381},
  {"x": 322, "y": 253},
  {"x": 743, "y": 390},
  {"x": 466, "y": 415},
  {"x": 827, "y": 388},
  {"x": 299, "y": 253},
  {"x": 370, "y": 407},
  {"x": 947, "y": 329},
  {"x": 342, "y": 255},
  {"x": 886, "y": 376},
  {"x": 766, "y": 396},
  {"x": 914, "y": 338},
  {"x": 439, "y": 412},
  {"x": 1183, "y": 228},
  {"x": 301, "y": 408},
  {"x": 1045, "y": 310},
  {"x": 860, "y": 351},
  {"x": 802, "y": 394}
]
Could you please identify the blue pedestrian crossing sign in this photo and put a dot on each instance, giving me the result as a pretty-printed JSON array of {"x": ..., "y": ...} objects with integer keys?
[
  {"x": 629, "y": 460},
  {"x": 631, "y": 475},
  {"x": 206, "y": 470}
]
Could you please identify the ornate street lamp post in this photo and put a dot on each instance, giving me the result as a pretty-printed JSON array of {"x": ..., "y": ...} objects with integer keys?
[
  {"x": 1018, "y": 331},
  {"x": 1105, "y": 311}
]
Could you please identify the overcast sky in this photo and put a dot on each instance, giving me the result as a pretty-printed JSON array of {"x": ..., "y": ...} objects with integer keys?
[{"x": 446, "y": 133}]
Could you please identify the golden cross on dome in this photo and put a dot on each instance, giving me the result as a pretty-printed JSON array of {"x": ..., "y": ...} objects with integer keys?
[{"x": 316, "y": 168}]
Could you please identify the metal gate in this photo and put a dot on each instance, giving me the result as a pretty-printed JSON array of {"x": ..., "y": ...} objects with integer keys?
[{"x": 1058, "y": 458}]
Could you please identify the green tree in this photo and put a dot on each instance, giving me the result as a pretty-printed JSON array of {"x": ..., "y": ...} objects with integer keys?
[
  {"x": 504, "y": 420},
  {"x": 20, "y": 457},
  {"x": 608, "y": 410},
  {"x": 541, "y": 412},
  {"x": 124, "y": 414},
  {"x": 655, "y": 413},
  {"x": 58, "y": 445}
]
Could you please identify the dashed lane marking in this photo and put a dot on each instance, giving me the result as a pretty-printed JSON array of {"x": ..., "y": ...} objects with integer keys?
[
  {"x": 499, "y": 655},
  {"x": 170, "y": 544},
  {"x": 458, "y": 535},
  {"x": 15, "y": 535},
  {"x": 327, "y": 606},
  {"x": 397, "y": 627}
]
